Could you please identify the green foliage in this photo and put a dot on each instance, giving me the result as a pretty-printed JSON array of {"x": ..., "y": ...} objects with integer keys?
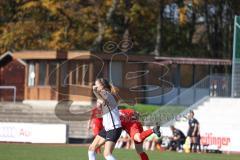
[
  {"x": 143, "y": 109},
  {"x": 147, "y": 109},
  {"x": 85, "y": 25}
]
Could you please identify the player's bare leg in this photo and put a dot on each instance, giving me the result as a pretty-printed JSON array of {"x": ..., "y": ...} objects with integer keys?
[
  {"x": 108, "y": 148},
  {"x": 97, "y": 142}
]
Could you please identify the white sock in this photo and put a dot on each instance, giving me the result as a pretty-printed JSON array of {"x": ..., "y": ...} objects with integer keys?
[
  {"x": 91, "y": 155},
  {"x": 110, "y": 157}
]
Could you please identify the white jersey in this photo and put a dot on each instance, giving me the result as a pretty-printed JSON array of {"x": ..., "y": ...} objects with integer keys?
[
  {"x": 111, "y": 116},
  {"x": 108, "y": 122}
]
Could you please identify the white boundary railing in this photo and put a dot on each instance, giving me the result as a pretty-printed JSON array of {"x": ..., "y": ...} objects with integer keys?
[
  {"x": 210, "y": 86},
  {"x": 186, "y": 111}
]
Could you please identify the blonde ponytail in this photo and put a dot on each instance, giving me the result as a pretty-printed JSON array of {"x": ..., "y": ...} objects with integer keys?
[{"x": 114, "y": 92}]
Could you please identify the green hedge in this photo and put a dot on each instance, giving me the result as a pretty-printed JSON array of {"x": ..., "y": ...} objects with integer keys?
[{"x": 146, "y": 109}]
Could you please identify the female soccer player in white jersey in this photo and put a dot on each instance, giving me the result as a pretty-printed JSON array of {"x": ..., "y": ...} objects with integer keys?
[{"x": 111, "y": 120}]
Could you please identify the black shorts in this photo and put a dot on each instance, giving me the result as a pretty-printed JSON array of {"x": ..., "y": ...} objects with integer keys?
[
  {"x": 111, "y": 135},
  {"x": 190, "y": 134}
]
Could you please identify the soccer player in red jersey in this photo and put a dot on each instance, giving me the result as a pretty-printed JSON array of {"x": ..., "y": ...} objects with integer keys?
[{"x": 131, "y": 124}]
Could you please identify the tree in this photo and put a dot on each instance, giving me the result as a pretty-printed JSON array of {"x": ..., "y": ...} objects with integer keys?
[
  {"x": 158, "y": 27},
  {"x": 160, "y": 6}
]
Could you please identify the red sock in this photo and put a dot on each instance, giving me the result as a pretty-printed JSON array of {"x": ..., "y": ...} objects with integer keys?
[
  {"x": 143, "y": 156},
  {"x": 145, "y": 134}
]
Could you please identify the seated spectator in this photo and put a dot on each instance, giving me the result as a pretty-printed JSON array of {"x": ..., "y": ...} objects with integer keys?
[
  {"x": 123, "y": 141},
  {"x": 165, "y": 142},
  {"x": 150, "y": 142},
  {"x": 177, "y": 140}
]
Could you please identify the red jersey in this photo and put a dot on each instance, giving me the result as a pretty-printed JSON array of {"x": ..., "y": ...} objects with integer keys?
[
  {"x": 96, "y": 120},
  {"x": 129, "y": 122},
  {"x": 128, "y": 119},
  {"x": 127, "y": 115}
]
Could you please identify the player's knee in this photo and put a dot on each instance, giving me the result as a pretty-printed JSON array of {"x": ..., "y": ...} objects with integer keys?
[
  {"x": 91, "y": 148},
  {"x": 106, "y": 153},
  {"x": 137, "y": 138}
]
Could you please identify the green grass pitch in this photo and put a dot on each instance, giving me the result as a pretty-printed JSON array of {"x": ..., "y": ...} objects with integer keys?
[{"x": 10, "y": 151}]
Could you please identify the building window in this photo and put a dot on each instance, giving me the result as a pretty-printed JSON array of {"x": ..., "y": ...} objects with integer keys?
[
  {"x": 31, "y": 75},
  {"x": 115, "y": 75},
  {"x": 84, "y": 74},
  {"x": 52, "y": 74},
  {"x": 42, "y": 73},
  {"x": 81, "y": 73},
  {"x": 74, "y": 73}
]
